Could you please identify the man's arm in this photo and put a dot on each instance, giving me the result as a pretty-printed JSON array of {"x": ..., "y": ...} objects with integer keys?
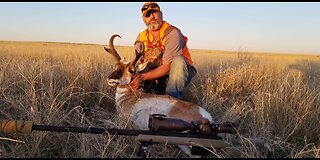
[
  {"x": 173, "y": 47},
  {"x": 156, "y": 73}
]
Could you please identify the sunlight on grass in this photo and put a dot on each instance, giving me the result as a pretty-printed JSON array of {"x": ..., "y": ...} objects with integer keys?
[{"x": 273, "y": 96}]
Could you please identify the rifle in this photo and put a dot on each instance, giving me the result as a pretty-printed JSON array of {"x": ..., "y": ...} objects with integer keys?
[{"x": 198, "y": 134}]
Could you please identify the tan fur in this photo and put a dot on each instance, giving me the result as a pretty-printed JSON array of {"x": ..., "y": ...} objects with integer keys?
[{"x": 185, "y": 110}]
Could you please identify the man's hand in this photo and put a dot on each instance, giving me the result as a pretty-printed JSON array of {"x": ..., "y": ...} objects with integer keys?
[{"x": 136, "y": 82}]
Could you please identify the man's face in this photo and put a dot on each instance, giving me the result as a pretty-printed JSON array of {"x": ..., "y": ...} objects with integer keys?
[{"x": 153, "y": 21}]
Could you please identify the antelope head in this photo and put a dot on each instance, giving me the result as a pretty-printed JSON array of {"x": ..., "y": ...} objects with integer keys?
[{"x": 123, "y": 70}]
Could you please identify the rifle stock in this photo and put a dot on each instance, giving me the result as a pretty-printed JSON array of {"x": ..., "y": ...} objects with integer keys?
[{"x": 16, "y": 126}]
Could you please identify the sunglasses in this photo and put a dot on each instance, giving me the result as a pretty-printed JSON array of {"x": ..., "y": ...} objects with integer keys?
[{"x": 152, "y": 5}]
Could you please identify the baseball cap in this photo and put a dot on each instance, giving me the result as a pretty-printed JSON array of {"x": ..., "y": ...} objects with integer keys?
[{"x": 148, "y": 7}]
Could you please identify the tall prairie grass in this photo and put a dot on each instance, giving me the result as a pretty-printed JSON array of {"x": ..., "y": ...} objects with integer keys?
[{"x": 271, "y": 96}]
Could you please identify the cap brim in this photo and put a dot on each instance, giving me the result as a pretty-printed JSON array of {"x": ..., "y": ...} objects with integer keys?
[{"x": 148, "y": 12}]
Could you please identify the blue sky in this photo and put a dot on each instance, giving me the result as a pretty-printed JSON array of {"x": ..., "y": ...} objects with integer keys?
[{"x": 264, "y": 27}]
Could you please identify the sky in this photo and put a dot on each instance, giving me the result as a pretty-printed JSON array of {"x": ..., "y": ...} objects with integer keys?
[{"x": 287, "y": 27}]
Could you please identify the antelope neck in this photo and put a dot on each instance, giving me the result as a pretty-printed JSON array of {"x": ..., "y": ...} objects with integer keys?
[
  {"x": 124, "y": 91},
  {"x": 126, "y": 98}
]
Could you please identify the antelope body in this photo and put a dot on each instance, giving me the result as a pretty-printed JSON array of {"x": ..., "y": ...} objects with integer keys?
[{"x": 138, "y": 106}]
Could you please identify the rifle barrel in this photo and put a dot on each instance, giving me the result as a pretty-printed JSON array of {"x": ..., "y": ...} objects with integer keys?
[
  {"x": 26, "y": 127},
  {"x": 91, "y": 130}
]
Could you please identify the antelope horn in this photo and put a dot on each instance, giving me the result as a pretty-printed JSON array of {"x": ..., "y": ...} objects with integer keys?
[
  {"x": 112, "y": 50},
  {"x": 138, "y": 54}
]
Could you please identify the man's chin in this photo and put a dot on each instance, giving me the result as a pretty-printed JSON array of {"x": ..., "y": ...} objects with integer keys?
[{"x": 154, "y": 27}]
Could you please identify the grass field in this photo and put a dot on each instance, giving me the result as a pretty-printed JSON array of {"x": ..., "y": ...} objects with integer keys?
[{"x": 269, "y": 95}]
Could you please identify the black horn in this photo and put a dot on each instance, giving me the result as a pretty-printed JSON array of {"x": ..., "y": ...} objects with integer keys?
[
  {"x": 138, "y": 55},
  {"x": 112, "y": 50}
]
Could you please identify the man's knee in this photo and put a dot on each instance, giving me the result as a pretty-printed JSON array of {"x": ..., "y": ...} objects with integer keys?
[
  {"x": 178, "y": 61},
  {"x": 177, "y": 77},
  {"x": 178, "y": 67}
]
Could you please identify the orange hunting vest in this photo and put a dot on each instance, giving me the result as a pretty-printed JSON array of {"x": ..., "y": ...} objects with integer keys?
[{"x": 165, "y": 29}]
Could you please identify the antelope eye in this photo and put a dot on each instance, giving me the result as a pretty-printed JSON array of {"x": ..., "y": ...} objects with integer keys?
[{"x": 131, "y": 70}]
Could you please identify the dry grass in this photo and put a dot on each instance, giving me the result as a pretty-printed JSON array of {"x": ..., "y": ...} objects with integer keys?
[{"x": 274, "y": 96}]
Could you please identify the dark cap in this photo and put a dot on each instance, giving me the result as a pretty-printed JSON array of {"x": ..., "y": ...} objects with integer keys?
[{"x": 148, "y": 7}]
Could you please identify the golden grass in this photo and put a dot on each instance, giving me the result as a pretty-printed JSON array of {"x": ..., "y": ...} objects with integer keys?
[{"x": 274, "y": 96}]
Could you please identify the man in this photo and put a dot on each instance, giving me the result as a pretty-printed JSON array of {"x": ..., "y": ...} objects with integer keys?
[{"x": 166, "y": 43}]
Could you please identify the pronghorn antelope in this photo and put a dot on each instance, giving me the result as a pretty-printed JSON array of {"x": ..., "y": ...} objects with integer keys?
[{"x": 139, "y": 105}]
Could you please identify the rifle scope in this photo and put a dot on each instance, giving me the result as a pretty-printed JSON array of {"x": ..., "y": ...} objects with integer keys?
[{"x": 158, "y": 122}]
